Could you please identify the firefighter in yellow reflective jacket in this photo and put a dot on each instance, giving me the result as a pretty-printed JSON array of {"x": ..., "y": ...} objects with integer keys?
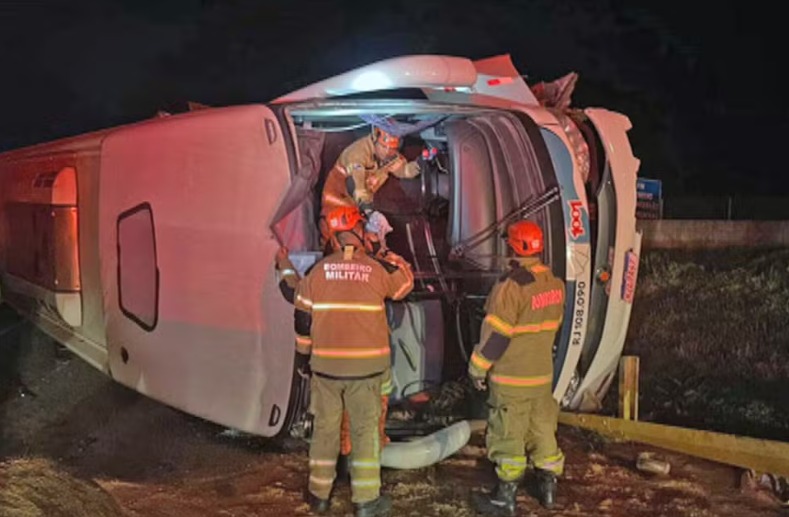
[
  {"x": 341, "y": 323},
  {"x": 375, "y": 231},
  {"x": 362, "y": 168},
  {"x": 514, "y": 356}
]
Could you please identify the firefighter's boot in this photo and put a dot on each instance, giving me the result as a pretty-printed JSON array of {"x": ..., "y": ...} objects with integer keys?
[
  {"x": 501, "y": 502},
  {"x": 546, "y": 488},
  {"x": 380, "y": 507}
]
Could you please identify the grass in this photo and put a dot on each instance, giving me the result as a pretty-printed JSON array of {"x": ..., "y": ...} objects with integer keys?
[
  {"x": 712, "y": 331},
  {"x": 38, "y": 488}
]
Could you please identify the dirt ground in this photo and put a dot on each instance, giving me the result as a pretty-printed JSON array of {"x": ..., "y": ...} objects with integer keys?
[
  {"x": 73, "y": 443},
  {"x": 709, "y": 329}
]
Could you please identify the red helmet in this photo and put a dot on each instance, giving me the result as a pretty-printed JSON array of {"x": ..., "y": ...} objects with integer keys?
[
  {"x": 343, "y": 219},
  {"x": 525, "y": 237},
  {"x": 385, "y": 139}
]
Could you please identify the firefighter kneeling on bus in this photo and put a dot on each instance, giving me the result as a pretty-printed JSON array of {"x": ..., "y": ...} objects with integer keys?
[
  {"x": 362, "y": 168},
  {"x": 340, "y": 323},
  {"x": 514, "y": 356}
]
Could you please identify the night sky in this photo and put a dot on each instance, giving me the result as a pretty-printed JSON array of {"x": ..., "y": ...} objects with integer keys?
[{"x": 701, "y": 85}]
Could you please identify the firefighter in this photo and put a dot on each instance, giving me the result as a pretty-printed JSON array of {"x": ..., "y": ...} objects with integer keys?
[
  {"x": 376, "y": 229},
  {"x": 341, "y": 326},
  {"x": 289, "y": 281},
  {"x": 515, "y": 358},
  {"x": 362, "y": 168}
]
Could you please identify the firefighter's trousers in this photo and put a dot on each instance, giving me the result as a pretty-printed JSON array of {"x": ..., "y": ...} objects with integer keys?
[
  {"x": 362, "y": 399},
  {"x": 345, "y": 429},
  {"x": 522, "y": 423}
]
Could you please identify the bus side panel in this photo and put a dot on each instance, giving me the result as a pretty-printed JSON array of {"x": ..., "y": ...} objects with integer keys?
[
  {"x": 194, "y": 314},
  {"x": 48, "y": 233}
]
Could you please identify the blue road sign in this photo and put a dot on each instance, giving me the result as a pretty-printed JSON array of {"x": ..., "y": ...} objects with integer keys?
[{"x": 649, "y": 189}]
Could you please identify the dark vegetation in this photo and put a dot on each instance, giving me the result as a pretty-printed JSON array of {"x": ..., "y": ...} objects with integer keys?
[{"x": 712, "y": 331}]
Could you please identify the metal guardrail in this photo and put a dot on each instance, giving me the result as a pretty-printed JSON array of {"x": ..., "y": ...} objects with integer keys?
[{"x": 749, "y": 453}]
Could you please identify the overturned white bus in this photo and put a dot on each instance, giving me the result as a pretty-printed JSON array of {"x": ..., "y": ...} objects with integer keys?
[{"x": 148, "y": 249}]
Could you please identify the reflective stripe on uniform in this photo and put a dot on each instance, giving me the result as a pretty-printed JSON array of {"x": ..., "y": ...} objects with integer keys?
[
  {"x": 287, "y": 272},
  {"x": 497, "y": 323},
  {"x": 539, "y": 269},
  {"x": 366, "y": 464},
  {"x": 480, "y": 362},
  {"x": 323, "y": 463},
  {"x": 387, "y": 387},
  {"x": 366, "y": 482},
  {"x": 518, "y": 461},
  {"x": 510, "y": 469},
  {"x": 511, "y": 380},
  {"x": 332, "y": 200},
  {"x": 536, "y": 327},
  {"x": 553, "y": 463},
  {"x": 406, "y": 286},
  {"x": 321, "y": 481},
  {"x": 350, "y": 353},
  {"x": 303, "y": 344},
  {"x": 508, "y": 330},
  {"x": 347, "y": 307},
  {"x": 304, "y": 301}
]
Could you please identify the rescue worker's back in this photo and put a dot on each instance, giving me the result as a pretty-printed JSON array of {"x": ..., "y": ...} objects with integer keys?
[
  {"x": 349, "y": 331},
  {"x": 340, "y": 322},
  {"x": 525, "y": 306},
  {"x": 515, "y": 357}
]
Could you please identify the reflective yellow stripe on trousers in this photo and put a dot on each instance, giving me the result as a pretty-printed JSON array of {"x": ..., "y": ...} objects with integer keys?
[
  {"x": 553, "y": 463},
  {"x": 510, "y": 469}
]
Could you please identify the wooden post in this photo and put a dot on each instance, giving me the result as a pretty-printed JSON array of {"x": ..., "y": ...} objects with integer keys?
[{"x": 628, "y": 387}]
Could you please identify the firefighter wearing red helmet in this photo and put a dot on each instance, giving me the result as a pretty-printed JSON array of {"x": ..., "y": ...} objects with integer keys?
[
  {"x": 341, "y": 326},
  {"x": 362, "y": 168},
  {"x": 376, "y": 228},
  {"x": 514, "y": 358}
]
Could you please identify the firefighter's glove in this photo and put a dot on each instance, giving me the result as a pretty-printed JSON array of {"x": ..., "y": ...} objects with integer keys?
[
  {"x": 478, "y": 377},
  {"x": 479, "y": 383},
  {"x": 305, "y": 372},
  {"x": 303, "y": 366}
]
